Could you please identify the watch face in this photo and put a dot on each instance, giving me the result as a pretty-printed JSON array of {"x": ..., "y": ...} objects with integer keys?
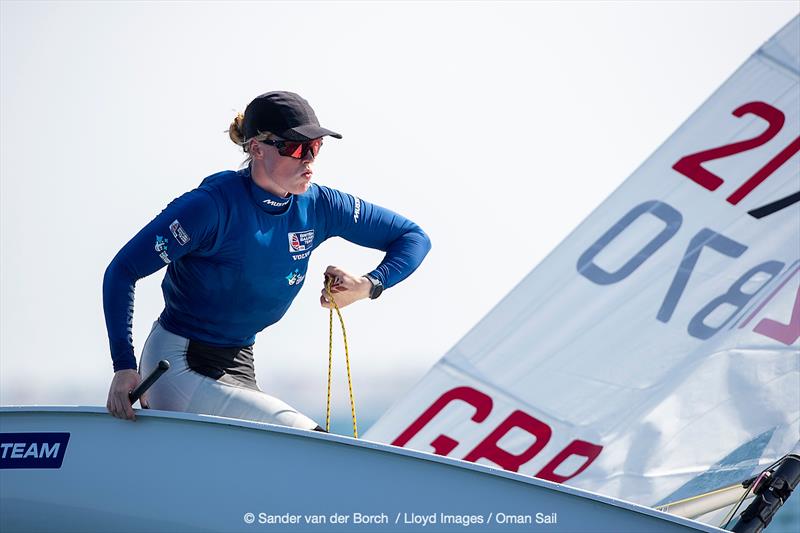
[{"x": 377, "y": 288}]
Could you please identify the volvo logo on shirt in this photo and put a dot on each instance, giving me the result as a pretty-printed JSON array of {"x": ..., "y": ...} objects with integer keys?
[
  {"x": 300, "y": 241},
  {"x": 32, "y": 450}
]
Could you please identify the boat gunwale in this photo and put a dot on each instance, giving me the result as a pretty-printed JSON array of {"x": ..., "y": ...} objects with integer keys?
[{"x": 372, "y": 445}]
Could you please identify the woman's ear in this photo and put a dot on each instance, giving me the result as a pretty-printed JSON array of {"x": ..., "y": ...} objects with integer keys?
[{"x": 255, "y": 149}]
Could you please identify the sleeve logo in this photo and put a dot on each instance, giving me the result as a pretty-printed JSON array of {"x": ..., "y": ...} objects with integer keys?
[
  {"x": 161, "y": 248},
  {"x": 356, "y": 210},
  {"x": 180, "y": 234}
]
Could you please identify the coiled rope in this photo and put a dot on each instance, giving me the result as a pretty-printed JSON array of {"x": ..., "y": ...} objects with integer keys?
[{"x": 328, "y": 282}]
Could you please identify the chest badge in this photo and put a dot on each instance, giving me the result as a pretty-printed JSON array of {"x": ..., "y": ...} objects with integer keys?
[{"x": 300, "y": 241}]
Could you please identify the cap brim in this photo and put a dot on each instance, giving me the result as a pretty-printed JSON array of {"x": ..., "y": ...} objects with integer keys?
[{"x": 307, "y": 132}]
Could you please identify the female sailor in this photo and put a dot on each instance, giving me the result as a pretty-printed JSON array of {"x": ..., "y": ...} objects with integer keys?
[{"x": 236, "y": 250}]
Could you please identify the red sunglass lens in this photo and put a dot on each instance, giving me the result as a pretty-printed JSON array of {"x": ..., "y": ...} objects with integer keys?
[
  {"x": 298, "y": 150},
  {"x": 292, "y": 149}
]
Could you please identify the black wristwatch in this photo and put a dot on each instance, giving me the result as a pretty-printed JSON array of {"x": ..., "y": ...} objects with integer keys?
[{"x": 377, "y": 286}]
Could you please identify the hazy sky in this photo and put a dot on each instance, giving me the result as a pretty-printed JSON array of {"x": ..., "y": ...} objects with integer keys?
[{"x": 497, "y": 127}]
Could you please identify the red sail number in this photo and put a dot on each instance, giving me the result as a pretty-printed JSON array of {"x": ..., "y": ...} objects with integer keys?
[
  {"x": 489, "y": 448},
  {"x": 691, "y": 165}
]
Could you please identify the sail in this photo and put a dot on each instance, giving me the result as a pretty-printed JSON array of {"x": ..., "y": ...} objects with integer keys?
[{"x": 654, "y": 354}]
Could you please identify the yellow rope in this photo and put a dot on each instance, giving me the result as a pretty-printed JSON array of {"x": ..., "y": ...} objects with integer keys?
[{"x": 330, "y": 360}]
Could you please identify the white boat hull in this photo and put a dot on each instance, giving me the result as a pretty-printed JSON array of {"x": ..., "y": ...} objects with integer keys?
[{"x": 182, "y": 472}]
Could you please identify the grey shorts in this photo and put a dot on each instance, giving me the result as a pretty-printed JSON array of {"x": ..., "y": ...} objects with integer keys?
[{"x": 183, "y": 389}]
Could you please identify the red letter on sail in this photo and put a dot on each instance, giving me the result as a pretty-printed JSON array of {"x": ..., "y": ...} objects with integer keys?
[
  {"x": 489, "y": 449},
  {"x": 443, "y": 444},
  {"x": 577, "y": 447},
  {"x": 785, "y": 333}
]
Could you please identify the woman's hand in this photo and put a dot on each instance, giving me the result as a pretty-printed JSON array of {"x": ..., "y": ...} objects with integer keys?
[
  {"x": 118, "y": 404},
  {"x": 345, "y": 288}
]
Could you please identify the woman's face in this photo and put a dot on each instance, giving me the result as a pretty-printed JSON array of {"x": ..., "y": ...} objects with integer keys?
[{"x": 283, "y": 174}]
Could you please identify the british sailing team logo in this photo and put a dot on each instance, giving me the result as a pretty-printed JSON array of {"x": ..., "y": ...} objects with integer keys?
[
  {"x": 179, "y": 233},
  {"x": 300, "y": 241},
  {"x": 295, "y": 277}
]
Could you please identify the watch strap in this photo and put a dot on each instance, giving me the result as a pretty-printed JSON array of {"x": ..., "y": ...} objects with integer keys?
[{"x": 377, "y": 286}]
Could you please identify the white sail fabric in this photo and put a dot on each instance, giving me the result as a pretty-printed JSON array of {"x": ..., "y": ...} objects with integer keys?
[{"x": 653, "y": 355}]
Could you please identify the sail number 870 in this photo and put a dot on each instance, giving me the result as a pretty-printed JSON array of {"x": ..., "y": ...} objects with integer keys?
[{"x": 705, "y": 238}]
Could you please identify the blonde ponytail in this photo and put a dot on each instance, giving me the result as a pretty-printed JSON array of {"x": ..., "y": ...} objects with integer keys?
[{"x": 236, "y": 130}]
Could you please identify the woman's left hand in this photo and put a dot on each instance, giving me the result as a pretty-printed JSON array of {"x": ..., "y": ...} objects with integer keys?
[{"x": 345, "y": 288}]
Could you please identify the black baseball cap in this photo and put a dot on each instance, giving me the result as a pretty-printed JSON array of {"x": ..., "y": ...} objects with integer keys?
[{"x": 287, "y": 115}]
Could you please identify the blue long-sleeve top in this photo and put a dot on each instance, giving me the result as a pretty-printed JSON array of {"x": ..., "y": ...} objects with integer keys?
[{"x": 237, "y": 255}]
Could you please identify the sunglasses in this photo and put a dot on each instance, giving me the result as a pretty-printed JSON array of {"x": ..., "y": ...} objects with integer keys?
[{"x": 296, "y": 149}]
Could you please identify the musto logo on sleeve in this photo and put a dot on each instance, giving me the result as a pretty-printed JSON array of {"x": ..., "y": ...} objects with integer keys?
[
  {"x": 32, "y": 450},
  {"x": 300, "y": 241}
]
